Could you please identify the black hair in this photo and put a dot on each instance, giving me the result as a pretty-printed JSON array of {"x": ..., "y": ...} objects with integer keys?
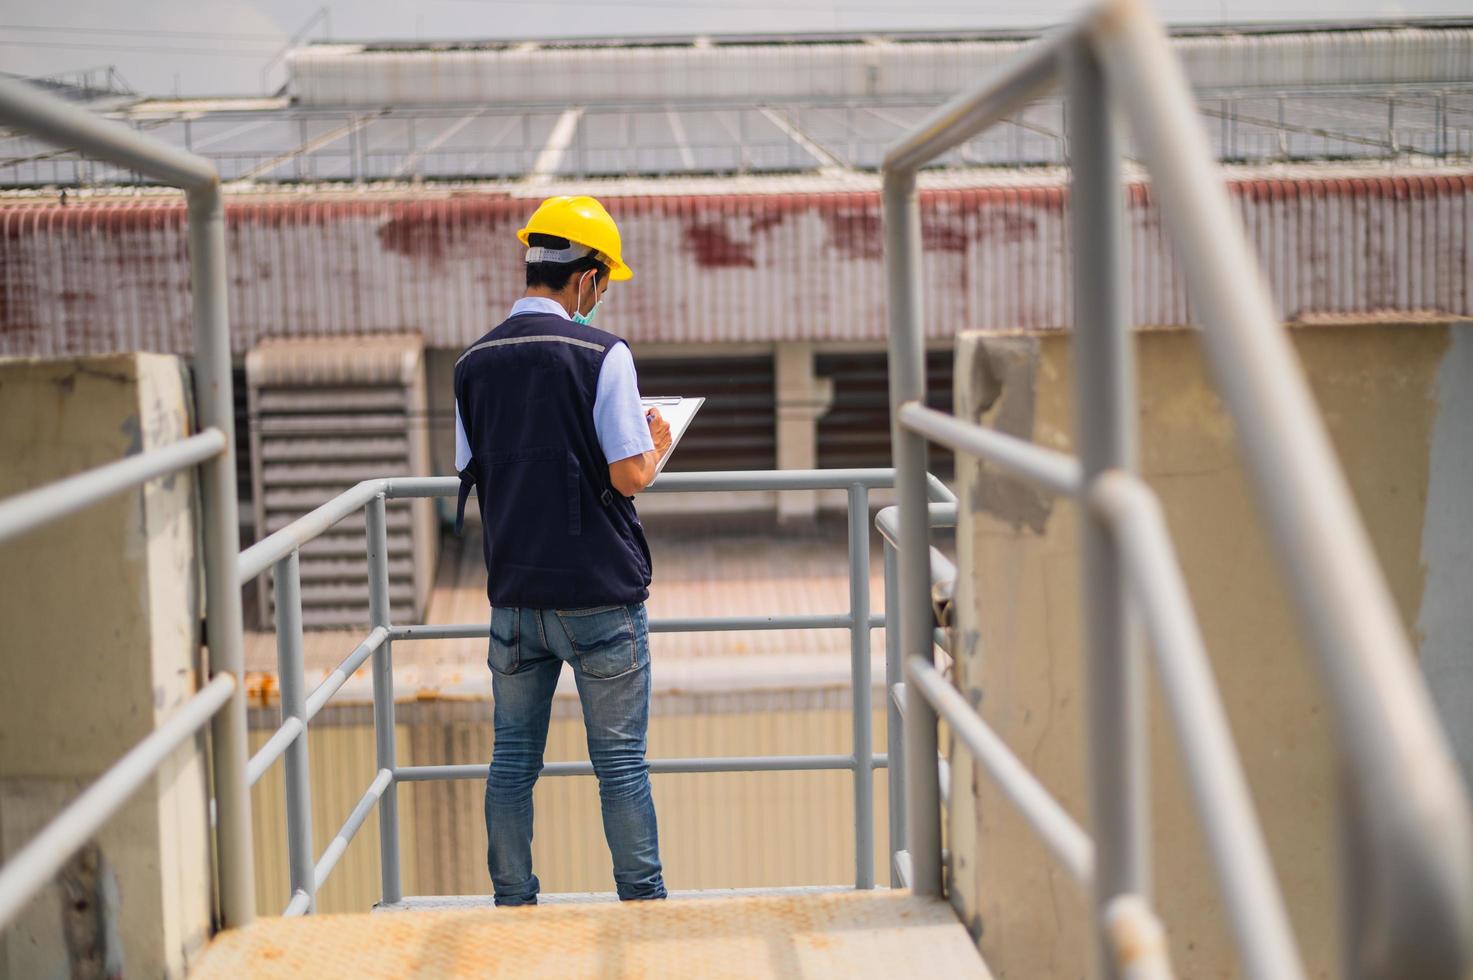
[{"x": 555, "y": 275}]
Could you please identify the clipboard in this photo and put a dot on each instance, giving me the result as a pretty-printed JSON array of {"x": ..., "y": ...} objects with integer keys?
[{"x": 678, "y": 413}]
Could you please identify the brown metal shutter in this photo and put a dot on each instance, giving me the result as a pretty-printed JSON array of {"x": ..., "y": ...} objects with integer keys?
[
  {"x": 855, "y": 432},
  {"x": 737, "y": 427}
]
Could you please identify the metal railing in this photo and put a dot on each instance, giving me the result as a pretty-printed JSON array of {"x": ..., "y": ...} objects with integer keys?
[
  {"x": 280, "y": 552},
  {"x": 1408, "y": 845},
  {"x": 221, "y": 701},
  {"x": 1410, "y": 850}
]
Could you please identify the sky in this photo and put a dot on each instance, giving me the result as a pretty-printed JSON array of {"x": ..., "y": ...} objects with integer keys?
[{"x": 214, "y": 47}]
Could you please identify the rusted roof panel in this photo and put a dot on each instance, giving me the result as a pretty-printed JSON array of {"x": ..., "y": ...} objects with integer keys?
[{"x": 94, "y": 277}]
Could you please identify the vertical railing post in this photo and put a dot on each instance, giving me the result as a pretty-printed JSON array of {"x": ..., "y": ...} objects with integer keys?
[
  {"x": 1105, "y": 436},
  {"x": 902, "y": 229},
  {"x": 301, "y": 853},
  {"x": 859, "y": 669},
  {"x": 894, "y": 720},
  {"x": 383, "y": 697},
  {"x": 215, "y": 406},
  {"x": 922, "y": 792}
]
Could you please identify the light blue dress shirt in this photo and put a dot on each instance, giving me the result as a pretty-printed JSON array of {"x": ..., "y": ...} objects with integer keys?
[{"x": 618, "y": 416}]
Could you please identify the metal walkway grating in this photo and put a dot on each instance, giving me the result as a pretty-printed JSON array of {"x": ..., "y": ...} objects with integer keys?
[{"x": 846, "y": 934}]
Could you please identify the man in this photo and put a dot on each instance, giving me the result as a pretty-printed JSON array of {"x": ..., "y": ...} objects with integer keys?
[{"x": 550, "y": 432}]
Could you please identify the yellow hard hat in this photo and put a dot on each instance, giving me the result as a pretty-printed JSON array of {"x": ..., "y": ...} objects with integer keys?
[{"x": 583, "y": 221}]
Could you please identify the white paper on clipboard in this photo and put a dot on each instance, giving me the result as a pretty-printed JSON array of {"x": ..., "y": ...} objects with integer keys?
[{"x": 678, "y": 413}]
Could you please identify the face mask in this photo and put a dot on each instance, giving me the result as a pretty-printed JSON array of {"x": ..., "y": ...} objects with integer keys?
[{"x": 587, "y": 318}]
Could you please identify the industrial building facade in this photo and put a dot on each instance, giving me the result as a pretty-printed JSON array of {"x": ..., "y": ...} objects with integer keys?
[
  {"x": 378, "y": 192},
  {"x": 767, "y": 297},
  {"x": 379, "y": 197}
]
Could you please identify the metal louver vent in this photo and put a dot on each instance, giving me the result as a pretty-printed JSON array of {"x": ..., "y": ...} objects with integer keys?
[
  {"x": 856, "y": 429},
  {"x": 324, "y": 415},
  {"x": 736, "y": 430}
]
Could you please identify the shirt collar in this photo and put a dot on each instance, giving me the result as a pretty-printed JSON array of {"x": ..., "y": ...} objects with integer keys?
[{"x": 538, "y": 304}]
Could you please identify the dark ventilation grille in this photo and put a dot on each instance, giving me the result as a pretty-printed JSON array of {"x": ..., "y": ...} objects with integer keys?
[
  {"x": 736, "y": 428},
  {"x": 855, "y": 432},
  {"x": 326, "y": 414},
  {"x": 241, "y": 397}
]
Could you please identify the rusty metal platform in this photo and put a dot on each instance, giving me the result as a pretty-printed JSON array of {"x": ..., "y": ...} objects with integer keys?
[{"x": 848, "y": 934}]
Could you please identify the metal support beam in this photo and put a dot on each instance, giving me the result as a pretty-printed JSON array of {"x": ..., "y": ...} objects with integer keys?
[
  {"x": 1048, "y": 469},
  {"x": 274, "y": 749},
  {"x": 550, "y": 161},
  {"x": 701, "y": 624},
  {"x": 45, "y": 117},
  {"x": 859, "y": 665},
  {"x": 754, "y": 763},
  {"x": 1240, "y": 857},
  {"x": 922, "y": 790},
  {"x": 300, "y": 849},
  {"x": 333, "y": 682},
  {"x": 902, "y": 229},
  {"x": 383, "y": 699},
  {"x": 1138, "y": 946},
  {"x": 1104, "y": 376},
  {"x": 382, "y": 784},
  {"x": 311, "y": 146},
  {"x": 35, "y": 508},
  {"x": 215, "y": 405},
  {"x": 828, "y": 164},
  {"x": 682, "y": 142},
  {"x": 71, "y": 126},
  {"x": 1013, "y": 85},
  {"x": 894, "y": 719},
  {"x": 1409, "y": 866},
  {"x": 410, "y": 164},
  {"x": 1051, "y": 822}
]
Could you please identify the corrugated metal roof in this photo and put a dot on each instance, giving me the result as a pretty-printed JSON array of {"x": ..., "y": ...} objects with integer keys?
[
  {"x": 100, "y": 276},
  {"x": 876, "y": 68},
  {"x": 509, "y": 112},
  {"x": 509, "y": 142}
]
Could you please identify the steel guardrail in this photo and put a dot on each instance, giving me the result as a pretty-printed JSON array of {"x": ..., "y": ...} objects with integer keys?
[
  {"x": 288, "y": 741},
  {"x": 56, "y": 121},
  {"x": 1410, "y": 862}
]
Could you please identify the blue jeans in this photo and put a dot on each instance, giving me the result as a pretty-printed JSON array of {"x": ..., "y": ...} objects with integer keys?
[{"x": 608, "y": 647}]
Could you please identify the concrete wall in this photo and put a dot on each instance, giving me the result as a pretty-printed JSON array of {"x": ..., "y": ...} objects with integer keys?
[
  {"x": 100, "y": 645},
  {"x": 1396, "y": 399}
]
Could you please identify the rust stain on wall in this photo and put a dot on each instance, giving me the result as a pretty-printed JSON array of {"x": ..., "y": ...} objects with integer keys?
[
  {"x": 855, "y": 233},
  {"x": 714, "y": 248},
  {"x": 413, "y": 237}
]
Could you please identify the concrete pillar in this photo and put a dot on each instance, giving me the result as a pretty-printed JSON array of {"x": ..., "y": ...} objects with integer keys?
[
  {"x": 1445, "y": 616},
  {"x": 1394, "y": 397},
  {"x": 101, "y": 643},
  {"x": 802, "y": 399}
]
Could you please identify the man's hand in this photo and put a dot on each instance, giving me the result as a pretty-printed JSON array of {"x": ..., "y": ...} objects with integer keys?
[
  {"x": 630, "y": 476},
  {"x": 659, "y": 431}
]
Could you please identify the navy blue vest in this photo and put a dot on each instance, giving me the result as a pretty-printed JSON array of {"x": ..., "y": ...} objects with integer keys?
[{"x": 557, "y": 534}]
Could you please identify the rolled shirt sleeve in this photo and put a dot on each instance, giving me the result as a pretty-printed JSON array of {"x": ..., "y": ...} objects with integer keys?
[
  {"x": 618, "y": 415},
  {"x": 462, "y": 444}
]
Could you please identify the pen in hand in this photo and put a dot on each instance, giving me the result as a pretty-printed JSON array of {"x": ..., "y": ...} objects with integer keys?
[{"x": 659, "y": 430}]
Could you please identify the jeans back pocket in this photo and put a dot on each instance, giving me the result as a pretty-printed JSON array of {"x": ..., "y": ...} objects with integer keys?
[{"x": 604, "y": 639}]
